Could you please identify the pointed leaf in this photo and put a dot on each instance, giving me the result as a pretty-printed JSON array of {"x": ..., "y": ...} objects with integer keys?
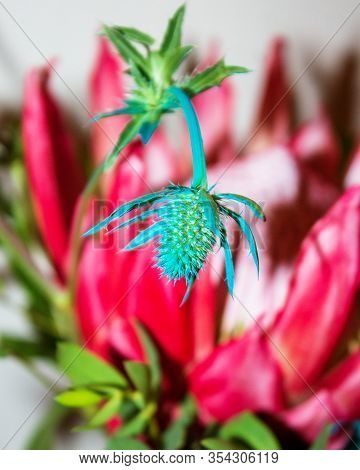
[
  {"x": 172, "y": 37},
  {"x": 250, "y": 429},
  {"x": 245, "y": 227},
  {"x": 135, "y": 35},
  {"x": 140, "y": 375},
  {"x": 152, "y": 356},
  {"x": 127, "y": 135},
  {"x": 145, "y": 236},
  {"x": 229, "y": 263},
  {"x": 79, "y": 398},
  {"x": 176, "y": 58},
  {"x": 133, "y": 220},
  {"x": 257, "y": 210},
  {"x": 123, "y": 210},
  {"x": 84, "y": 368},
  {"x": 138, "y": 424},
  {"x": 109, "y": 410},
  {"x": 147, "y": 129},
  {"x": 210, "y": 77},
  {"x": 127, "y": 51}
]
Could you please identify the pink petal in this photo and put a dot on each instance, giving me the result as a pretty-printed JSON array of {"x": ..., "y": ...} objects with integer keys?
[
  {"x": 273, "y": 118},
  {"x": 352, "y": 176},
  {"x": 321, "y": 294},
  {"x": 241, "y": 375},
  {"x": 336, "y": 401},
  {"x": 310, "y": 417},
  {"x": 107, "y": 91},
  {"x": 51, "y": 164},
  {"x": 315, "y": 145}
]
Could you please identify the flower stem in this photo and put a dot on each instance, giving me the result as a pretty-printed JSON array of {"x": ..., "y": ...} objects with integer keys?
[{"x": 199, "y": 179}]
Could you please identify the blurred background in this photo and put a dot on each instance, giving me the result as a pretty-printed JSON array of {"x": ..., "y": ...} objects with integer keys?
[{"x": 65, "y": 33}]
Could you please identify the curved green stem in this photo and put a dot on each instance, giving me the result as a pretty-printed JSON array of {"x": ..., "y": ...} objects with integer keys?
[{"x": 198, "y": 155}]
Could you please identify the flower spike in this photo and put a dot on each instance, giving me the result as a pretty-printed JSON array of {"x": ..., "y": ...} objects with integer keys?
[{"x": 187, "y": 221}]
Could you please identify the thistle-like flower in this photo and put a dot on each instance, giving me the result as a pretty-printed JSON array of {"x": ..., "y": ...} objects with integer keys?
[
  {"x": 153, "y": 71},
  {"x": 186, "y": 221}
]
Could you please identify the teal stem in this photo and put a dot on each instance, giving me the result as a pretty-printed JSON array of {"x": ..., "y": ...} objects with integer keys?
[{"x": 199, "y": 179}]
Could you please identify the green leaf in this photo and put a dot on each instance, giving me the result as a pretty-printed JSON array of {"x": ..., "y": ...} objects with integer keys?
[
  {"x": 174, "y": 436},
  {"x": 124, "y": 443},
  {"x": 135, "y": 35},
  {"x": 210, "y": 77},
  {"x": 127, "y": 51},
  {"x": 172, "y": 37},
  {"x": 80, "y": 398},
  {"x": 139, "y": 423},
  {"x": 127, "y": 135},
  {"x": 84, "y": 368},
  {"x": 174, "y": 60},
  {"x": 45, "y": 433},
  {"x": 250, "y": 429},
  {"x": 140, "y": 375},
  {"x": 219, "y": 444},
  {"x": 23, "y": 348},
  {"x": 322, "y": 439},
  {"x": 152, "y": 356},
  {"x": 106, "y": 412}
]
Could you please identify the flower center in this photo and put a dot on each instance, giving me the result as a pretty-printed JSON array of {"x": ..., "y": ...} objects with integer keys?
[{"x": 185, "y": 240}]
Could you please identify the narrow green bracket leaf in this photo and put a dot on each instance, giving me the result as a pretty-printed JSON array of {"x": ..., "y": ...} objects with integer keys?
[
  {"x": 172, "y": 37},
  {"x": 80, "y": 398},
  {"x": 136, "y": 35},
  {"x": 152, "y": 356},
  {"x": 211, "y": 77},
  {"x": 139, "y": 423},
  {"x": 140, "y": 375},
  {"x": 84, "y": 368}
]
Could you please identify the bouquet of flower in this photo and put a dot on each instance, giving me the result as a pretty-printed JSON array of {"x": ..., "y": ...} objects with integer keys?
[{"x": 133, "y": 258}]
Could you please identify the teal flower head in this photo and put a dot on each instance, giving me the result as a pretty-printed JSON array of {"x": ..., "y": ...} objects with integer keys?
[
  {"x": 186, "y": 222},
  {"x": 154, "y": 71}
]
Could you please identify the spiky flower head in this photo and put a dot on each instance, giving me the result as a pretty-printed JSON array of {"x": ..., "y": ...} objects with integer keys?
[
  {"x": 186, "y": 222},
  {"x": 153, "y": 71}
]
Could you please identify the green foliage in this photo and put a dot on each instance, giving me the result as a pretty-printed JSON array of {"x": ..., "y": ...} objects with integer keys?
[
  {"x": 248, "y": 428},
  {"x": 79, "y": 398},
  {"x": 85, "y": 368},
  {"x": 245, "y": 431},
  {"x": 322, "y": 439},
  {"x": 154, "y": 71},
  {"x": 211, "y": 77},
  {"x": 174, "y": 437},
  {"x": 125, "y": 443},
  {"x": 220, "y": 444}
]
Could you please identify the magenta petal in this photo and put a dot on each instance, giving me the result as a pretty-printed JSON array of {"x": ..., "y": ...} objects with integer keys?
[
  {"x": 241, "y": 375},
  {"x": 321, "y": 294},
  {"x": 336, "y": 401},
  {"x": 343, "y": 383},
  {"x": 273, "y": 118},
  {"x": 51, "y": 164},
  {"x": 310, "y": 417},
  {"x": 107, "y": 91},
  {"x": 352, "y": 177}
]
